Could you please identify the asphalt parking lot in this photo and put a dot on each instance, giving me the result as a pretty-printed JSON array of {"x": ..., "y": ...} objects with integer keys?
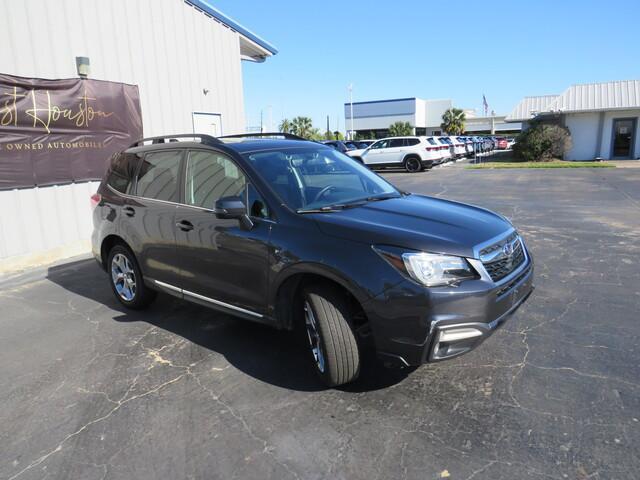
[{"x": 89, "y": 390}]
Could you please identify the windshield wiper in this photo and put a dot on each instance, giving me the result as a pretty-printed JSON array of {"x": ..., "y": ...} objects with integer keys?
[
  {"x": 355, "y": 203},
  {"x": 326, "y": 209},
  {"x": 385, "y": 196}
]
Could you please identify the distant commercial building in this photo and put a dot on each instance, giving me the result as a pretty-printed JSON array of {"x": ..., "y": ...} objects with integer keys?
[
  {"x": 495, "y": 125},
  {"x": 425, "y": 116},
  {"x": 375, "y": 117},
  {"x": 601, "y": 117}
]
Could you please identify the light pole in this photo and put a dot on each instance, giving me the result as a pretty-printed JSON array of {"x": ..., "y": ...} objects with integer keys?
[{"x": 351, "y": 108}]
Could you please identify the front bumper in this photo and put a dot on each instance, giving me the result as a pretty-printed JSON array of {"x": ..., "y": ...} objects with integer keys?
[{"x": 413, "y": 325}]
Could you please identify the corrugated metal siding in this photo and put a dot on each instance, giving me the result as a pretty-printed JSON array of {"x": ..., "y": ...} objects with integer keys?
[
  {"x": 171, "y": 50},
  {"x": 624, "y": 94},
  {"x": 39, "y": 219},
  {"x": 522, "y": 111}
]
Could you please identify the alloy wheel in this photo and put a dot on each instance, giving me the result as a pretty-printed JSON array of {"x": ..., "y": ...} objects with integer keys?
[
  {"x": 123, "y": 277},
  {"x": 314, "y": 336},
  {"x": 413, "y": 165}
]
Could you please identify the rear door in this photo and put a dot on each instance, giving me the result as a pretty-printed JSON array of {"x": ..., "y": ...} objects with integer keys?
[
  {"x": 395, "y": 152},
  {"x": 222, "y": 263},
  {"x": 148, "y": 219}
]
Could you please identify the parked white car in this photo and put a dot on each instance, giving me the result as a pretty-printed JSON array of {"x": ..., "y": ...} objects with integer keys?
[
  {"x": 448, "y": 153},
  {"x": 412, "y": 153},
  {"x": 459, "y": 148}
]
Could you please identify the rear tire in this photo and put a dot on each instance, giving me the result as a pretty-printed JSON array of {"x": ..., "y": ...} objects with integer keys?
[
  {"x": 332, "y": 343},
  {"x": 126, "y": 279},
  {"x": 412, "y": 164}
]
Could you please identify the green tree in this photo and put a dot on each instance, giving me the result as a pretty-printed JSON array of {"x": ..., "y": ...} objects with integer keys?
[
  {"x": 303, "y": 127},
  {"x": 542, "y": 142},
  {"x": 328, "y": 135},
  {"x": 285, "y": 126},
  {"x": 338, "y": 135},
  {"x": 453, "y": 121},
  {"x": 400, "y": 129}
]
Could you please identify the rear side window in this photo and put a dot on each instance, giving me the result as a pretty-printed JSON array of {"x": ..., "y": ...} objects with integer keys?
[
  {"x": 412, "y": 141},
  {"x": 396, "y": 142},
  {"x": 158, "y": 176},
  {"x": 211, "y": 176},
  {"x": 121, "y": 172}
]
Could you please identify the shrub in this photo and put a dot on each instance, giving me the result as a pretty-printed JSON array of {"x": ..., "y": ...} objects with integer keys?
[{"x": 542, "y": 142}]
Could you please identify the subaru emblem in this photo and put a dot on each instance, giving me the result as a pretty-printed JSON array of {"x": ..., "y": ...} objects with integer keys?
[{"x": 507, "y": 250}]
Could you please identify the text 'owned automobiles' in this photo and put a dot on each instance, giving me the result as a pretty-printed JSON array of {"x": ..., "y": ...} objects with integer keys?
[{"x": 294, "y": 234}]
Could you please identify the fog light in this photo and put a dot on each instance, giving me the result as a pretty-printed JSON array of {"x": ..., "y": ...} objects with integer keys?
[{"x": 457, "y": 334}]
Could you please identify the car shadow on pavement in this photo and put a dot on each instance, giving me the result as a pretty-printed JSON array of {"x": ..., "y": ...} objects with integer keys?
[{"x": 276, "y": 357}]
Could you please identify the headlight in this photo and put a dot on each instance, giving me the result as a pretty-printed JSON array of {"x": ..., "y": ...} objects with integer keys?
[{"x": 429, "y": 269}]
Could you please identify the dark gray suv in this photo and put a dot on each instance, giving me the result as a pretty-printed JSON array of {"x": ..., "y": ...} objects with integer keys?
[{"x": 292, "y": 233}]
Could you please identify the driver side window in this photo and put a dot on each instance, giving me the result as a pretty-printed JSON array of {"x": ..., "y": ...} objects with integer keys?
[
  {"x": 211, "y": 176},
  {"x": 380, "y": 144}
]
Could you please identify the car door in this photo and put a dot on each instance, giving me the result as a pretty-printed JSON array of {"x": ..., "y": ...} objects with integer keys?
[
  {"x": 222, "y": 262},
  {"x": 376, "y": 153},
  {"x": 395, "y": 153},
  {"x": 147, "y": 221}
]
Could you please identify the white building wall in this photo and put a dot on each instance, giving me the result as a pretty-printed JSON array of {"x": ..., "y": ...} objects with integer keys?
[
  {"x": 171, "y": 50},
  {"x": 607, "y": 136},
  {"x": 584, "y": 128},
  {"x": 584, "y": 135}
]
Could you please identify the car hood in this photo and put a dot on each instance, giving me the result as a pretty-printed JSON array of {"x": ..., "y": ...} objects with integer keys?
[
  {"x": 356, "y": 153},
  {"x": 416, "y": 222}
]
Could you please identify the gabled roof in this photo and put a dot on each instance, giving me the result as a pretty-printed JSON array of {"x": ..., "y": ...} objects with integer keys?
[
  {"x": 244, "y": 32},
  {"x": 623, "y": 94},
  {"x": 529, "y": 107}
]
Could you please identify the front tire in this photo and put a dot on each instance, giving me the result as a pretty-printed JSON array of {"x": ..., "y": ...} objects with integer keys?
[
  {"x": 412, "y": 164},
  {"x": 332, "y": 342},
  {"x": 126, "y": 279}
]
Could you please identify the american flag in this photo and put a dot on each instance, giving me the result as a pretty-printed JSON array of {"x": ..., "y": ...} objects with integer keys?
[{"x": 485, "y": 105}]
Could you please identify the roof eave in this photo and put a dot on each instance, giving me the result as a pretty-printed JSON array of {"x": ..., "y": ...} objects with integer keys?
[{"x": 231, "y": 23}]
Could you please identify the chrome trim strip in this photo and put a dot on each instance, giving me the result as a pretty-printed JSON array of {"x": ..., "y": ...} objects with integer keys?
[
  {"x": 222, "y": 304},
  {"x": 479, "y": 266},
  {"x": 207, "y": 299},
  {"x": 491, "y": 241},
  {"x": 202, "y": 209},
  {"x": 166, "y": 285}
]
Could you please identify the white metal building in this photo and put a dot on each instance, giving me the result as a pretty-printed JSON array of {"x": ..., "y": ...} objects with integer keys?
[
  {"x": 185, "y": 56},
  {"x": 424, "y": 115},
  {"x": 602, "y": 118}
]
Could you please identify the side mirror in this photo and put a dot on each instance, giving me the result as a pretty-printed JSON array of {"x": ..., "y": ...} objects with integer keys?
[{"x": 229, "y": 208}]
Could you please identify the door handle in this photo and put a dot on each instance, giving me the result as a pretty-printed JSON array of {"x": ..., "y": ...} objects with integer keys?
[
  {"x": 129, "y": 211},
  {"x": 184, "y": 225}
]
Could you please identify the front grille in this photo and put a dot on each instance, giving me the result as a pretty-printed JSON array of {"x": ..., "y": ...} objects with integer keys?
[{"x": 504, "y": 266}]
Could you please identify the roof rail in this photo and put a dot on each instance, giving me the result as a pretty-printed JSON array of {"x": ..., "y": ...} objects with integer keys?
[
  {"x": 204, "y": 139},
  {"x": 288, "y": 136}
]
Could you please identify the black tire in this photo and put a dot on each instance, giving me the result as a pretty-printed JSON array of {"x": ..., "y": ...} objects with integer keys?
[
  {"x": 336, "y": 339},
  {"x": 412, "y": 164},
  {"x": 142, "y": 295}
]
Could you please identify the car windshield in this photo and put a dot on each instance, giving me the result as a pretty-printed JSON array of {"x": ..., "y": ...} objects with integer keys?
[{"x": 319, "y": 179}]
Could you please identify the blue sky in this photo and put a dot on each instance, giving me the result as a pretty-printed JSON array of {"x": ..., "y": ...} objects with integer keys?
[{"x": 460, "y": 50}]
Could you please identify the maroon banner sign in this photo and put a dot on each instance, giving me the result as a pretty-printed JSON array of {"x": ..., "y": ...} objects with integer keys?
[{"x": 63, "y": 131}]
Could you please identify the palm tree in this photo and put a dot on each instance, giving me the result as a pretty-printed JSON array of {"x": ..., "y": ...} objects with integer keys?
[
  {"x": 453, "y": 121},
  {"x": 400, "y": 129},
  {"x": 285, "y": 126},
  {"x": 302, "y": 126}
]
